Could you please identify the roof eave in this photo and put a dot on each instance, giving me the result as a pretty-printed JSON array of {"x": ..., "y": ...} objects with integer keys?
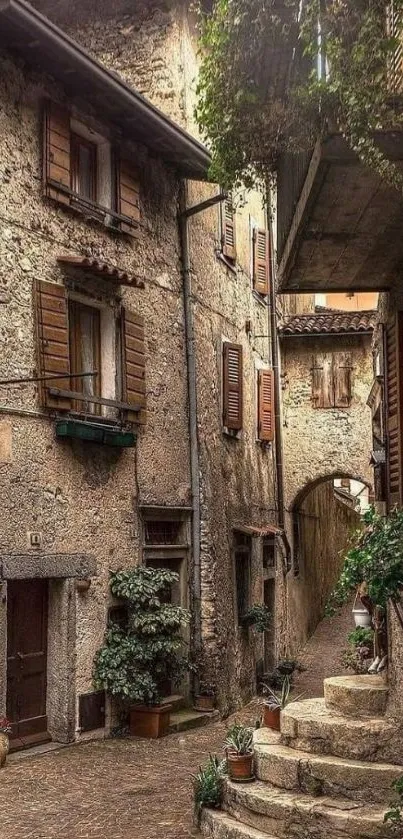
[{"x": 45, "y": 43}]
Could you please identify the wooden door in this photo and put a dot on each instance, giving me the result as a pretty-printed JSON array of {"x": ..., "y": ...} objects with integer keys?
[{"x": 27, "y": 613}]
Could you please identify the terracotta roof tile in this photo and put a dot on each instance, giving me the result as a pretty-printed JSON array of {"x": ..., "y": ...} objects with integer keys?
[
  {"x": 329, "y": 323},
  {"x": 102, "y": 269}
]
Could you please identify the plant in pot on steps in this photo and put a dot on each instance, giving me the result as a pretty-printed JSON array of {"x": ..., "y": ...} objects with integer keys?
[
  {"x": 137, "y": 659},
  {"x": 205, "y": 697},
  {"x": 238, "y": 747},
  {"x": 5, "y": 731},
  {"x": 275, "y": 702}
]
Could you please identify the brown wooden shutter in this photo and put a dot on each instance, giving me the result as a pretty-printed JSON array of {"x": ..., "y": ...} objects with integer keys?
[
  {"x": 128, "y": 196},
  {"x": 232, "y": 386},
  {"x": 53, "y": 340},
  {"x": 56, "y": 152},
  {"x": 133, "y": 364},
  {"x": 266, "y": 405},
  {"x": 228, "y": 229},
  {"x": 322, "y": 381},
  {"x": 394, "y": 384},
  {"x": 342, "y": 368},
  {"x": 261, "y": 261}
]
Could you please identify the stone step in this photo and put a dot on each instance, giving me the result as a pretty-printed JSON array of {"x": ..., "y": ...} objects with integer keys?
[
  {"x": 290, "y": 815},
  {"x": 356, "y": 696},
  {"x": 187, "y": 719},
  {"x": 218, "y": 825},
  {"x": 322, "y": 774},
  {"x": 310, "y": 727},
  {"x": 176, "y": 700}
]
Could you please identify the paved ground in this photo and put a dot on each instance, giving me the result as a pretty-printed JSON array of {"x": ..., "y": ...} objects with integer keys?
[{"x": 133, "y": 789}]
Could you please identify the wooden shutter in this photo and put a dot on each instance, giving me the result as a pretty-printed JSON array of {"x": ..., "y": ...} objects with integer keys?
[
  {"x": 53, "y": 340},
  {"x": 322, "y": 381},
  {"x": 228, "y": 229},
  {"x": 342, "y": 367},
  {"x": 128, "y": 196},
  {"x": 394, "y": 384},
  {"x": 56, "y": 152},
  {"x": 133, "y": 364},
  {"x": 266, "y": 405},
  {"x": 232, "y": 386},
  {"x": 261, "y": 261}
]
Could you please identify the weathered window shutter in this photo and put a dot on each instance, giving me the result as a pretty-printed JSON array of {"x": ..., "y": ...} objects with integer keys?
[
  {"x": 53, "y": 341},
  {"x": 56, "y": 152},
  {"x": 342, "y": 367},
  {"x": 394, "y": 385},
  {"x": 266, "y": 405},
  {"x": 128, "y": 196},
  {"x": 133, "y": 364},
  {"x": 228, "y": 232},
  {"x": 232, "y": 386},
  {"x": 322, "y": 381},
  {"x": 261, "y": 260}
]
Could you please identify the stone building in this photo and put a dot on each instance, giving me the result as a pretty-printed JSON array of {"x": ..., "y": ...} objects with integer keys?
[{"x": 153, "y": 441}]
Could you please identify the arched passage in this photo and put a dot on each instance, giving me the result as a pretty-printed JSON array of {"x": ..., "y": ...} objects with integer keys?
[{"x": 324, "y": 514}]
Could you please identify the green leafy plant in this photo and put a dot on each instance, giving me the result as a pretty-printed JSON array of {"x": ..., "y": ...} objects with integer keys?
[
  {"x": 375, "y": 557},
  {"x": 361, "y": 636},
  {"x": 341, "y": 56},
  {"x": 239, "y": 739},
  {"x": 136, "y": 659},
  {"x": 395, "y": 815},
  {"x": 208, "y": 785},
  {"x": 258, "y": 616},
  {"x": 279, "y": 700}
]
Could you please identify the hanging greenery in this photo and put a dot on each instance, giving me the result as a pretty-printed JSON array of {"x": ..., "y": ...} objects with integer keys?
[{"x": 275, "y": 75}]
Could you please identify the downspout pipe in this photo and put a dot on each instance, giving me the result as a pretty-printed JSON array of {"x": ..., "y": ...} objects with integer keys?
[{"x": 185, "y": 213}]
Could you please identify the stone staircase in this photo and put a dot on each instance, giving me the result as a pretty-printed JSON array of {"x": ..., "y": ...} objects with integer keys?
[{"x": 327, "y": 775}]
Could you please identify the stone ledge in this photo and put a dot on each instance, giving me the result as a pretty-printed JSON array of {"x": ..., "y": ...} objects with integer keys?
[
  {"x": 55, "y": 566},
  {"x": 357, "y": 696}
]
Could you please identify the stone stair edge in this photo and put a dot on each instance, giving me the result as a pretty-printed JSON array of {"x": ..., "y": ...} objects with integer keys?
[
  {"x": 227, "y": 827},
  {"x": 261, "y": 791}
]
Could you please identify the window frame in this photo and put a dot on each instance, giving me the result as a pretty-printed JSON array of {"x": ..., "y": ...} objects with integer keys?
[{"x": 77, "y": 384}]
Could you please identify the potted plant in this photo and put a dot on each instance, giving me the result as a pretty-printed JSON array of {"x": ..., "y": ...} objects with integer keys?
[
  {"x": 208, "y": 785},
  {"x": 204, "y": 699},
  {"x": 136, "y": 659},
  {"x": 257, "y": 616},
  {"x": 276, "y": 702},
  {"x": 5, "y": 731},
  {"x": 239, "y": 750}
]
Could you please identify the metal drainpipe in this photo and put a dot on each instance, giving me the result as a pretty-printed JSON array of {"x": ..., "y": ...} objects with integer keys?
[
  {"x": 276, "y": 370},
  {"x": 184, "y": 214}
]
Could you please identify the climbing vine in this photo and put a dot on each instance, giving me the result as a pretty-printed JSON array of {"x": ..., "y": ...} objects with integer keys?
[{"x": 339, "y": 59}]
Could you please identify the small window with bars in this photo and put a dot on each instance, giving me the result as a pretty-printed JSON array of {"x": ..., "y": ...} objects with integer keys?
[{"x": 165, "y": 532}]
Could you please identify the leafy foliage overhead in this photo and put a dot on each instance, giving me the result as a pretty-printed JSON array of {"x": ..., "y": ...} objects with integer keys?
[{"x": 276, "y": 73}]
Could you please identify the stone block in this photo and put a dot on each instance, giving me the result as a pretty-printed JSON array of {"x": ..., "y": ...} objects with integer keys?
[{"x": 357, "y": 696}]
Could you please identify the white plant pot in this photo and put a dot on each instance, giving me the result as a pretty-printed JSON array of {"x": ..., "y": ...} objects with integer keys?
[{"x": 361, "y": 617}]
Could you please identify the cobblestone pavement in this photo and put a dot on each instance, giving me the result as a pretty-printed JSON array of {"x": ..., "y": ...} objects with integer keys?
[{"x": 134, "y": 789}]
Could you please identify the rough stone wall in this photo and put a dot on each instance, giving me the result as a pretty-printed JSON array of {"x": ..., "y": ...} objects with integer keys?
[{"x": 319, "y": 443}]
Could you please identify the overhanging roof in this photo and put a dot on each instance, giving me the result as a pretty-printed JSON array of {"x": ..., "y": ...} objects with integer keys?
[
  {"x": 45, "y": 46},
  {"x": 101, "y": 269}
]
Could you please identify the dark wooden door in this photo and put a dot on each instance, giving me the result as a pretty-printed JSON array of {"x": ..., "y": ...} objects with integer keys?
[{"x": 27, "y": 619}]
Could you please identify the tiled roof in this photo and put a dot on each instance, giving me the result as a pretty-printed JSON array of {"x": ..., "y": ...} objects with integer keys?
[
  {"x": 329, "y": 323},
  {"x": 102, "y": 269}
]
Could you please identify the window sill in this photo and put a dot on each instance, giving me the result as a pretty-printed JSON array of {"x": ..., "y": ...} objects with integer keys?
[
  {"x": 232, "y": 266},
  {"x": 92, "y": 211},
  {"x": 95, "y": 432}
]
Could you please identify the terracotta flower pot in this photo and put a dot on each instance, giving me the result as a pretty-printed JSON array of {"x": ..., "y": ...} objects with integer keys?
[
  {"x": 271, "y": 718},
  {"x": 240, "y": 767},
  {"x": 151, "y": 721},
  {"x": 4, "y": 747},
  {"x": 203, "y": 703}
]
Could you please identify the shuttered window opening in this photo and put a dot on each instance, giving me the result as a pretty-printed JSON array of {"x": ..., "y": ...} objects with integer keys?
[
  {"x": 261, "y": 261},
  {"x": 70, "y": 344},
  {"x": 86, "y": 174},
  {"x": 332, "y": 380},
  {"x": 394, "y": 384},
  {"x": 228, "y": 229},
  {"x": 266, "y": 405},
  {"x": 232, "y": 386}
]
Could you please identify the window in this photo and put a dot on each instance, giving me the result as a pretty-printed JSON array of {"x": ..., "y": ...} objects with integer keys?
[
  {"x": 261, "y": 260},
  {"x": 85, "y": 354},
  {"x": 228, "y": 229},
  {"x": 76, "y": 337},
  {"x": 242, "y": 574},
  {"x": 331, "y": 380},
  {"x": 232, "y": 387},
  {"x": 268, "y": 553},
  {"x": 162, "y": 532},
  {"x": 83, "y": 167},
  {"x": 81, "y": 170},
  {"x": 265, "y": 392}
]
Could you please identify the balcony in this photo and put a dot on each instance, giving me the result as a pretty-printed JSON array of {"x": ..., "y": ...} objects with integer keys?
[{"x": 339, "y": 227}]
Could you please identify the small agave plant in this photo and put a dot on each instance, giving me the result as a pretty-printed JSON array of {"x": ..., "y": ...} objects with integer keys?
[{"x": 239, "y": 740}]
